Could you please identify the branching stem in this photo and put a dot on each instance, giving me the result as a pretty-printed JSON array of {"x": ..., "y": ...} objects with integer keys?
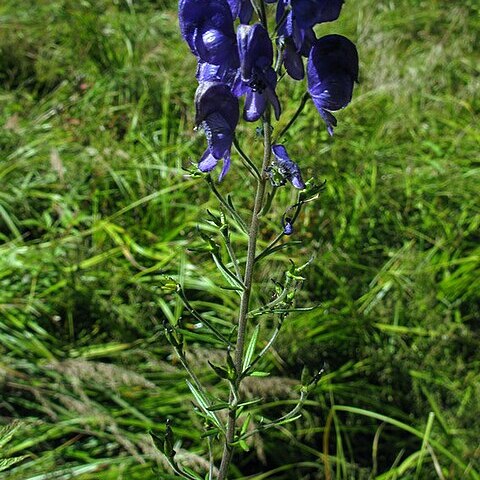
[
  {"x": 240, "y": 223},
  {"x": 300, "y": 108},
  {"x": 246, "y": 159},
  {"x": 194, "y": 377},
  {"x": 245, "y": 297},
  {"x": 233, "y": 257}
]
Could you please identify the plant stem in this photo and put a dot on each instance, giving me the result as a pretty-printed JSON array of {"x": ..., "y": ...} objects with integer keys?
[
  {"x": 233, "y": 257},
  {"x": 300, "y": 108},
  {"x": 246, "y": 159},
  {"x": 245, "y": 297},
  {"x": 233, "y": 213}
]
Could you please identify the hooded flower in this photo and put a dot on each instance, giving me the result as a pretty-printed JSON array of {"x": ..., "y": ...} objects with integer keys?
[
  {"x": 287, "y": 167},
  {"x": 332, "y": 69},
  {"x": 217, "y": 114},
  {"x": 296, "y": 32},
  {"x": 207, "y": 72},
  {"x": 243, "y": 9},
  {"x": 294, "y": 41},
  {"x": 207, "y": 27},
  {"x": 308, "y": 13},
  {"x": 257, "y": 78}
]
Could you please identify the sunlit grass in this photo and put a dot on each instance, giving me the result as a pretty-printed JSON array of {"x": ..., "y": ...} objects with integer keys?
[{"x": 95, "y": 209}]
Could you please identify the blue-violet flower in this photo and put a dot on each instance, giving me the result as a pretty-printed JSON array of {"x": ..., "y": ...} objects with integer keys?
[
  {"x": 257, "y": 77},
  {"x": 243, "y": 9},
  {"x": 308, "y": 13},
  {"x": 287, "y": 226},
  {"x": 217, "y": 114},
  {"x": 296, "y": 35},
  {"x": 332, "y": 69},
  {"x": 207, "y": 27},
  {"x": 287, "y": 167}
]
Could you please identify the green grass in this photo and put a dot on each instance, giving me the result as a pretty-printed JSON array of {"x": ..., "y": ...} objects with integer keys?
[{"x": 96, "y": 109}]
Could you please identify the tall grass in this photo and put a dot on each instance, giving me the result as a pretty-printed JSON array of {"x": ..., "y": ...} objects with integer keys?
[{"x": 96, "y": 109}]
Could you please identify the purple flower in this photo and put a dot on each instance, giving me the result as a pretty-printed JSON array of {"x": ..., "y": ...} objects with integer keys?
[
  {"x": 207, "y": 72},
  {"x": 217, "y": 113},
  {"x": 288, "y": 226},
  {"x": 287, "y": 167},
  {"x": 243, "y": 9},
  {"x": 257, "y": 78},
  {"x": 295, "y": 41},
  {"x": 308, "y": 13},
  {"x": 207, "y": 27},
  {"x": 332, "y": 69}
]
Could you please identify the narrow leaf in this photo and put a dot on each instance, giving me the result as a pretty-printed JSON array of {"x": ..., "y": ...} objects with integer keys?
[
  {"x": 251, "y": 348},
  {"x": 219, "y": 406},
  {"x": 203, "y": 403},
  {"x": 243, "y": 445},
  {"x": 245, "y": 425},
  {"x": 227, "y": 274},
  {"x": 250, "y": 402},
  {"x": 8, "y": 462},
  {"x": 288, "y": 420},
  {"x": 192, "y": 473},
  {"x": 222, "y": 372},
  {"x": 210, "y": 432}
]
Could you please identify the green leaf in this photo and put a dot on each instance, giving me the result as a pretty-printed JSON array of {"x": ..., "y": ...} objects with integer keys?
[
  {"x": 191, "y": 472},
  {"x": 210, "y": 432},
  {"x": 269, "y": 251},
  {"x": 219, "y": 406},
  {"x": 251, "y": 348},
  {"x": 168, "y": 442},
  {"x": 250, "y": 402},
  {"x": 245, "y": 425},
  {"x": 222, "y": 372},
  {"x": 288, "y": 420},
  {"x": 227, "y": 274},
  {"x": 232, "y": 371},
  {"x": 243, "y": 445},
  {"x": 234, "y": 289},
  {"x": 8, "y": 462},
  {"x": 165, "y": 444},
  {"x": 203, "y": 404}
]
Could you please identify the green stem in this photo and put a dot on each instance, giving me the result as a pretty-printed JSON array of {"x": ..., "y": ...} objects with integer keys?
[
  {"x": 193, "y": 376},
  {"x": 246, "y": 159},
  {"x": 210, "y": 458},
  {"x": 264, "y": 350},
  {"x": 233, "y": 213},
  {"x": 233, "y": 257},
  {"x": 199, "y": 318},
  {"x": 300, "y": 108},
  {"x": 245, "y": 297},
  {"x": 271, "y": 245}
]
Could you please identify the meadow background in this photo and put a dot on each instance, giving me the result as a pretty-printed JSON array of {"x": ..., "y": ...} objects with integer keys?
[{"x": 96, "y": 122}]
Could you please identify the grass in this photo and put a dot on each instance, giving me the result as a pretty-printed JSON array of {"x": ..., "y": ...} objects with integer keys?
[{"x": 97, "y": 116}]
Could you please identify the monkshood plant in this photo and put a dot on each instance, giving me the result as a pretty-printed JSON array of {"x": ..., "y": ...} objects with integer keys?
[{"x": 242, "y": 54}]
